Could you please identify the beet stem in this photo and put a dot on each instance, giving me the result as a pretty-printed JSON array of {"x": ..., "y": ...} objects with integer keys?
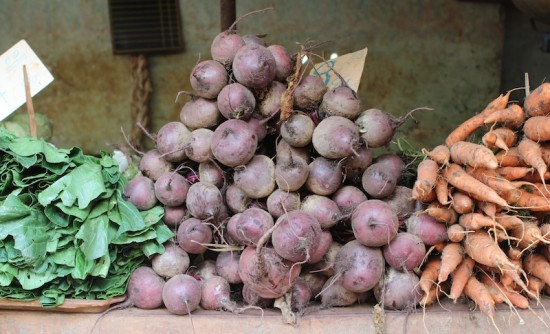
[
  {"x": 260, "y": 265},
  {"x": 130, "y": 144},
  {"x": 401, "y": 120},
  {"x": 139, "y": 125},
  {"x": 186, "y": 93},
  {"x": 126, "y": 304},
  {"x": 233, "y": 27}
]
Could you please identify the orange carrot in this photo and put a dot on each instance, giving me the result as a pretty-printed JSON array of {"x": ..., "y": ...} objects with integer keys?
[
  {"x": 508, "y": 222},
  {"x": 469, "y": 126},
  {"x": 497, "y": 296},
  {"x": 513, "y": 173},
  {"x": 442, "y": 214},
  {"x": 538, "y": 189},
  {"x": 545, "y": 149},
  {"x": 476, "y": 291},
  {"x": 475, "y": 221},
  {"x": 461, "y": 202},
  {"x": 482, "y": 248},
  {"x": 442, "y": 191},
  {"x": 439, "y": 154},
  {"x": 535, "y": 285},
  {"x": 515, "y": 253},
  {"x": 488, "y": 208},
  {"x": 492, "y": 179},
  {"x": 439, "y": 246},
  {"x": 472, "y": 154},
  {"x": 502, "y": 138},
  {"x": 535, "y": 178},
  {"x": 530, "y": 152},
  {"x": 523, "y": 199},
  {"x": 429, "y": 274},
  {"x": 509, "y": 158},
  {"x": 458, "y": 177},
  {"x": 513, "y": 297},
  {"x": 434, "y": 294},
  {"x": 536, "y": 265},
  {"x": 529, "y": 235},
  {"x": 430, "y": 297},
  {"x": 499, "y": 235},
  {"x": 512, "y": 116},
  {"x": 508, "y": 282},
  {"x": 426, "y": 177},
  {"x": 545, "y": 231},
  {"x": 537, "y": 128},
  {"x": 460, "y": 277},
  {"x": 456, "y": 233},
  {"x": 537, "y": 103},
  {"x": 451, "y": 257}
]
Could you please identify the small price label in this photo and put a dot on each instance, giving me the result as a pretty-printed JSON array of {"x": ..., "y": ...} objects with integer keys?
[
  {"x": 12, "y": 83},
  {"x": 349, "y": 66}
]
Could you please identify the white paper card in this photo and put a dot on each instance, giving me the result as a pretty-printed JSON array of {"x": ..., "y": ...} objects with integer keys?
[
  {"x": 12, "y": 83},
  {"x": 349, "y": 66}
]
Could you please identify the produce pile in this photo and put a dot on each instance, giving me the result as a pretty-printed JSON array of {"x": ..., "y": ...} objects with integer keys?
[
  {"x": 270, "y": 182},
  {"x": 488, "y": 184},
  {"x": 65, "y": 229}
]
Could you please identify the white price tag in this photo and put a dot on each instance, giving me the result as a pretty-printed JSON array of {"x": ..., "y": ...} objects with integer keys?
[
  {"x": 349, "y": 66},
  {"x": 12, "y": 84}
]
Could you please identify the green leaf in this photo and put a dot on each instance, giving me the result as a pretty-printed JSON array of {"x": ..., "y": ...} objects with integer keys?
[
  {"x": 27, "y": 227},
  {"x": 82, "y": 267},
  {"x": 94, "y": 233},
  {"x": 5, "y": 278},
  {"x": 29, "y": 279},
  {"x": 83, "y": 184},
  {"x": 73, "y": 211},
  {"x": 65, "y": 257},
  {"x": 150, "y": 248},
  {"x": 28, "y": 146},
  {"x": 52, "y": 298},
  {"x": 153, "y": 215},
  {"x": 127, "y": 216},
  {"x": 56, "y": 216},
  {"x": 102, "y": 266}
]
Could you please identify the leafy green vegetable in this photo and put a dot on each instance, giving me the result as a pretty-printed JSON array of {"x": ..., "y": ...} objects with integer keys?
[{"x": 65, "y": 229}]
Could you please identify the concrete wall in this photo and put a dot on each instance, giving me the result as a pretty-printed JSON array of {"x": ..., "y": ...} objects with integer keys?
[
  {"x": 441, "y": 54},
  {"x": 522, "y": 51}
]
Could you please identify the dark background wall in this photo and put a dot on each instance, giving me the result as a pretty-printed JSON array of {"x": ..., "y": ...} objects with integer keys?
[{"x": 451, "y": 56}]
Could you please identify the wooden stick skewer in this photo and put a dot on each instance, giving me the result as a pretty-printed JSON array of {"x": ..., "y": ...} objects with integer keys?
[{"x": 30, "y": 107}]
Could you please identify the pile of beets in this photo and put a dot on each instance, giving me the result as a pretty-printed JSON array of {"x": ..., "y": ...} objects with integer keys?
[{"x": 271, "y": 186}]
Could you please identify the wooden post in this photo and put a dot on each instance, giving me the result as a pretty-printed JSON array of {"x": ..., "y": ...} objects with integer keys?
[
  {"x": 30, "y": 107},
  {"x": 228, "y": 13}
]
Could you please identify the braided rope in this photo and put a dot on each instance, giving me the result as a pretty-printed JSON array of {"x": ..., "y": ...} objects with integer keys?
[{"x": 141, "y": 92}]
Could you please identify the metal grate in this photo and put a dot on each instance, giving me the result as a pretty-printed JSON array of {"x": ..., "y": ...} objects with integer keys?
[{"x": 145, "y": 26}]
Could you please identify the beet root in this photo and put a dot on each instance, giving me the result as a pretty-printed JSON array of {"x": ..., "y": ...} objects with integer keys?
[
  {"x": 172, "y": 262},
  {"x": 398, "y": 290},
  {"x": 192, "y": 234},
  {"x": 181, "y": 294},
  {"x": 296, "y": 236},
  {"x": 145, "y": 289},
  {"x": 140, "y": 191},
  {"x": 360, "y": 267},
  {"x": 274, "y": 279},
  {"x": 374, "y": 223}
]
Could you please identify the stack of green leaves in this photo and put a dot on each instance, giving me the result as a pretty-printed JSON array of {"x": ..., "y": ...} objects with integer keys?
[{"x": 65, "y": 229}]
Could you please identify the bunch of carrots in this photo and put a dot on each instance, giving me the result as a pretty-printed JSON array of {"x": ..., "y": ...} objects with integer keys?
[{"x": 492, "y": 194}]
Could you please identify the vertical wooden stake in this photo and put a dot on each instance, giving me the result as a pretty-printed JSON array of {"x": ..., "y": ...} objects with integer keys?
[
  {"x": 228, "y": 13},
  {"x": 30, "y": 108}
]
